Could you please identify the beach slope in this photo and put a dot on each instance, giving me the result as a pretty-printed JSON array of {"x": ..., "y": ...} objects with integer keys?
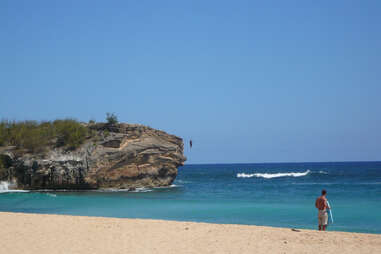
[{"x": 40, "y": 233}]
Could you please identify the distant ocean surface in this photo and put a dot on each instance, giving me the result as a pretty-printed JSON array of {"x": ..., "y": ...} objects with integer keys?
[{"x": 271, "y": 194}]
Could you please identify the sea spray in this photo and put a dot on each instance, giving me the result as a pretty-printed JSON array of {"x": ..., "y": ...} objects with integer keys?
[
  {"x": 8, "y": 187},
  {"x": 4, "y": 186}
]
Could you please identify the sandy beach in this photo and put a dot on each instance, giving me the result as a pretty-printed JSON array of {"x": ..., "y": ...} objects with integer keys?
[{"x": 37, "y": 233}]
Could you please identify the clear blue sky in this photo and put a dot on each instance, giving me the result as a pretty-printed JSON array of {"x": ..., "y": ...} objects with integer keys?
[{"x": 248, "y": 81}]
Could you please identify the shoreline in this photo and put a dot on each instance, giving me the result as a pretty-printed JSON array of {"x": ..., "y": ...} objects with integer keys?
[
  {"x": 48, "y": 233},
  {"x": 185, "y": 221}
]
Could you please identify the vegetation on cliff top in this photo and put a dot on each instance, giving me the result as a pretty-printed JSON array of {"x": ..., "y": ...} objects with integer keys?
[
  {"x": 34, "y": 136},
  {"x": 37, "y": 136}
]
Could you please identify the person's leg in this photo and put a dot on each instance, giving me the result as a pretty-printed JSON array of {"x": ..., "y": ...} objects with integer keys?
[
  {"x": 319, "y": 227},
  {"x": 325, "y": 220}
]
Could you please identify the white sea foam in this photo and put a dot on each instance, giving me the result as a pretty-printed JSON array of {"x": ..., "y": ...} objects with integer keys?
[
  {"x": 139, "y": 189},
  {"x": 273, "y": 175},
  {"x": 4, "y": 187},
  {"x": 142, "y": 189},
  {"x": 170, "y": 186}
]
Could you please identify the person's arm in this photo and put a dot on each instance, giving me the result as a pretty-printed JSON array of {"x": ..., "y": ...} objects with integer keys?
[{"x": 316, "y": 204}]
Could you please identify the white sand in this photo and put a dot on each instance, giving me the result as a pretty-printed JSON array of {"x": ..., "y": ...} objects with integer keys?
[{"x": 36, "y": 233}]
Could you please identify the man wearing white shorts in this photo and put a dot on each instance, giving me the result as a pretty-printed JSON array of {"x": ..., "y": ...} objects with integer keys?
[{"x": 322, "y": 205}]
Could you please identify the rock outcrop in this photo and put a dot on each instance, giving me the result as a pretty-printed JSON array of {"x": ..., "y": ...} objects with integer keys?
[{"x": 122, "y": 156}]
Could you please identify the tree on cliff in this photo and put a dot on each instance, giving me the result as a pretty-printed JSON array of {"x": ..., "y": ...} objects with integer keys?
[{"x": 111, "y": 118}]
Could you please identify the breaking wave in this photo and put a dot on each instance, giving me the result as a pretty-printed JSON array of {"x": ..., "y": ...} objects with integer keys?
[
  {"x": 273, "y": 175},
  {"x": 4, "y": 187}
]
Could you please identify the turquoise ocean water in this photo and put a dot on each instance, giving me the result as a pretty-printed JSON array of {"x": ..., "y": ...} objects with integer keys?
[{"x": 272, "y": 194}]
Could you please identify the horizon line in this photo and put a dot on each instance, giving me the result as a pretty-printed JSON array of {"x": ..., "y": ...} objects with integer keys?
[{"x": 231, "y": 163}]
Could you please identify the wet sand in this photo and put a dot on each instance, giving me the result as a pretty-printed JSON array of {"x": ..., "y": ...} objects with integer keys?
[{"x": 40, "y": 233}]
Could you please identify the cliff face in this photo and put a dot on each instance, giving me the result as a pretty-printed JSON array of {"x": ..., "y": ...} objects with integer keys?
[{"x": 123, "y": 156}]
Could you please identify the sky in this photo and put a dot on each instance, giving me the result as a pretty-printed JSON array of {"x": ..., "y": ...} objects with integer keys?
[{"x": 247, "y": 81}]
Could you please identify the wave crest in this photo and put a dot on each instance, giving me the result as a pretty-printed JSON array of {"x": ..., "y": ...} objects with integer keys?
[
  {"x": 273, "y": 175},
  {"x": 4, "y": 187}
]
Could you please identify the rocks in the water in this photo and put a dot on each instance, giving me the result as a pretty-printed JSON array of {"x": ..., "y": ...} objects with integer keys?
[{"x": 124, "y": 156}]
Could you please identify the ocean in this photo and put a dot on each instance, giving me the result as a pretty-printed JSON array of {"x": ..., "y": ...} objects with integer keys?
[{"x": 269, "y": 194}]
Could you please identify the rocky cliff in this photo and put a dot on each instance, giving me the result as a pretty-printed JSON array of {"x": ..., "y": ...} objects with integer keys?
[{"x": 123, "y": 156}]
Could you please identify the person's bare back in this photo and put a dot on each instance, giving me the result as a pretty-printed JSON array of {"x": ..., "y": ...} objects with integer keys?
[{"x": 321, "y": 203}]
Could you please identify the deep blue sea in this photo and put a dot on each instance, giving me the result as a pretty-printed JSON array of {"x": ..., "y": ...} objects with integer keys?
[{"x": 271, "y": 194}]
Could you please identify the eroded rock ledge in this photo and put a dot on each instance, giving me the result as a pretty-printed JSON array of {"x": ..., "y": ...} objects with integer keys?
[{"x": 122, "y": 156}]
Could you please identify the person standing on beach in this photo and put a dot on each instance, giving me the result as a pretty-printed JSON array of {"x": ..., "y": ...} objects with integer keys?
[{"x": 322, "y": 205}]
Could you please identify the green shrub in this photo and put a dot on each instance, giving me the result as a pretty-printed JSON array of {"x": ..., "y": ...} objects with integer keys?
[
  {"x": 37, "y": 136},
  {"x": 3, "y": 133},
  {"x": 70, "y": 133}
]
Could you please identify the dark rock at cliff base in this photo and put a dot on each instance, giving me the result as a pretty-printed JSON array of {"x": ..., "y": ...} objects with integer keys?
[{"x": 122, "y": 156}]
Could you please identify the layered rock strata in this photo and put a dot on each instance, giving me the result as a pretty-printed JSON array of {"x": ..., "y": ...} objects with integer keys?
[{"x": 122, "y": 156}]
